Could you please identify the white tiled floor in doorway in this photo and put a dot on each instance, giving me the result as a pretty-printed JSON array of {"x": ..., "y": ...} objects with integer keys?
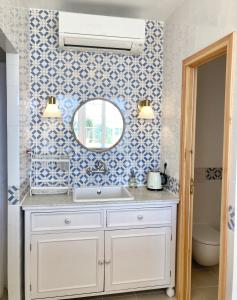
[{"x": 204, "y": 282}]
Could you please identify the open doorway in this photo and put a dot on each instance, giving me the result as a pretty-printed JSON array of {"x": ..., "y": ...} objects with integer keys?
[
  {"x": 208, "y": 156},
  {"x": 224, "y": 47},
  {"x": 3, "y": 173}
]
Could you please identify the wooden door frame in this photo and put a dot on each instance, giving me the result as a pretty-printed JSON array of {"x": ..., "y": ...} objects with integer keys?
[{"x": 225, "y": 46}]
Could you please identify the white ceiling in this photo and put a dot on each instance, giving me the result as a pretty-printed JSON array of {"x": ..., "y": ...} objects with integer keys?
[{"x": 146, "y": 9}]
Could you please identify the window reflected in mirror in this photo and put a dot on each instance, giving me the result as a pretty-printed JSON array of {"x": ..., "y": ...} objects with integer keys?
[{"x": 98, "y": 125}]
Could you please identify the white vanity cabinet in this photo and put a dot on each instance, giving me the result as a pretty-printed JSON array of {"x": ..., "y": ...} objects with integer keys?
[
  {"x": 137, "y": 258},
  {"x": 66, "y": 263},
  {"x": 91, "y": 250}
]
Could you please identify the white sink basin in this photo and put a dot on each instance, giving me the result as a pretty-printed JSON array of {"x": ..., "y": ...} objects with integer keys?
[{"x": 111, "y": 193}]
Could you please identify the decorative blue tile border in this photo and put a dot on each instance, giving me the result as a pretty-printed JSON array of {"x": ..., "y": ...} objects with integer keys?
[
  {"x": 172, "y": 185},
  {"x": 231, "y": 217},
  {"x": 214, "y": 173},
  {"x": 207, "y": 174},
  {"x": 13, "y": 195},
  {"x": 74, "y": 77}
]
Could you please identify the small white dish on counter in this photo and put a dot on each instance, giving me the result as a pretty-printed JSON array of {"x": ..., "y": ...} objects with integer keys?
[{"x": 108, "y": 193}]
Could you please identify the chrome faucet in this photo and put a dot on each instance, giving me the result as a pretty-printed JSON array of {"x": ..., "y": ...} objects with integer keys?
[{"x": 99, "y": 168}]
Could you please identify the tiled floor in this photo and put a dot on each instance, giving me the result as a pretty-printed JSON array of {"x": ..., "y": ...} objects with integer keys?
[
  {"x": 204, "y": 282},
  {"x": 4, "y": 296},
  {"x": 149, "y": 295},
  {"x": 204, "y": 287}
]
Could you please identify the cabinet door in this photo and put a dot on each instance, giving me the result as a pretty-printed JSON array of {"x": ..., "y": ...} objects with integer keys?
[
  {"x": 67, "y": 264},
  {"x": 137, "y": 258}
]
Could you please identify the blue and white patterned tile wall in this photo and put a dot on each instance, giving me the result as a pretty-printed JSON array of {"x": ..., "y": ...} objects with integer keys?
[{"x": 74, "y": 77}]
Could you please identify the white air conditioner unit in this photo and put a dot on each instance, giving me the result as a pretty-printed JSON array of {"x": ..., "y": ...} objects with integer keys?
[{"x": 92, "y": 32}]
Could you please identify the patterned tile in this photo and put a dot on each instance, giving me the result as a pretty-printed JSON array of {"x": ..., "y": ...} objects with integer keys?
[
  {"x": 231, "y": 218},
  {"x": 13, "y": 195},
  {"x": 172, "y": 185},
  {"x": 52, "y": 173},
  {"x": 74, "y": 77},
  {"x": 204, "y": 174},
  {"x": 214, "y": 173}
]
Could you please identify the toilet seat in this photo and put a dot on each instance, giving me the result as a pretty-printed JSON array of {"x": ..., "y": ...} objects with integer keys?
[{"x": 205, "y": 234}]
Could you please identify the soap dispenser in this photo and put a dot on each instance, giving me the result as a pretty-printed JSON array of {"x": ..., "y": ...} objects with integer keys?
[{"x": 132, "y": 183}]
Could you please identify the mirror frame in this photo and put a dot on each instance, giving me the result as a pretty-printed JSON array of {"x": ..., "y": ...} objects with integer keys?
[{"x": 98, "y": 150}]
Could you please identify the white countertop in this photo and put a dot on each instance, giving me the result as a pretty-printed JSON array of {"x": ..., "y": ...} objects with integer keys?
[{"x": 141, "y": 195}]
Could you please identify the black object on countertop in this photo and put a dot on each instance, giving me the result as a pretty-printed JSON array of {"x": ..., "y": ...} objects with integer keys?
[{"x": 164, "y": 178}]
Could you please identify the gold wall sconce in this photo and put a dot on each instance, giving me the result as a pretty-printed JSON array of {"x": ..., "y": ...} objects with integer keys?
[
  {"x": 145, "y": 110},
  {"x": 52, "y": 110}
]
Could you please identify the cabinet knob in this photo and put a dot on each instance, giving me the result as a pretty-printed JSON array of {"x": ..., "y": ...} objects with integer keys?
[
  {"x": 140, "y": 217},
  {"x": 107, "y": 261},
  {"x": 67, "y": 221},
  {"x": 100, "y": 262}
]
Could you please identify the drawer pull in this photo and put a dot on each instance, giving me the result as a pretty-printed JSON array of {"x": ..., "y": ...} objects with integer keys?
[
  {"x": 140, "y": 217},
  {"x": 67, "y": 221}
]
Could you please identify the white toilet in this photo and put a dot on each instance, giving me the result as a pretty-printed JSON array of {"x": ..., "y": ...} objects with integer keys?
[{"x": 206, "y": 245}]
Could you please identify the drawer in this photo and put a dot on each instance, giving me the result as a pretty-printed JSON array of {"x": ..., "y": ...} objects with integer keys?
[
  {"x": 67, "y": 220},
  {"x": 139, "y": 217}
]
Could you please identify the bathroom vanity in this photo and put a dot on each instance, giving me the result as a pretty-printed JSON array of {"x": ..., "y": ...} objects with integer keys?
[{"x": 85, "y": 249}]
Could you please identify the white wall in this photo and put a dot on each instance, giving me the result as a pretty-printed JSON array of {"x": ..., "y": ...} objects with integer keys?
[
  {"x": 12, "y": 37},
  {"x": 14, "y": 227},
  {"x": 209, "y": 140},
  {"x": 3, "y": 177},
  {"x": 210, "y": 114},
  {"x": 192, "y": 26}
]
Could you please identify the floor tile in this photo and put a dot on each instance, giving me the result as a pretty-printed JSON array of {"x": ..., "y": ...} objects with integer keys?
[
  {"x": 125, "y": 296},
  {"x": 4, "y": 295},
  {"x": 153, "y": 295},
  {"x": 216, "y": 269},
  {"x": 196, "y": 265},
  {"x": 210, "y": 293},
  {"x": 204, "y": 278}
]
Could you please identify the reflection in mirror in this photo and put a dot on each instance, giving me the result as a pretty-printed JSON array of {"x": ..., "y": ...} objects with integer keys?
[{"x": 98, "y": 125}]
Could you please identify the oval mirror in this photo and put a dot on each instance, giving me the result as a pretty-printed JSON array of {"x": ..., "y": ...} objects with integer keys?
[{"x": 98, "y": 125}]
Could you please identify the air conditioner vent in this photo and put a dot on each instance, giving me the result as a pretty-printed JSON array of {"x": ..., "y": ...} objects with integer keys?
[{"x": 82, "y": 32}]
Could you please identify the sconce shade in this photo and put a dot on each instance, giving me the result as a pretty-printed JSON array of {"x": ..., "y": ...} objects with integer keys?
[
  {"x": 145, "y": 110},
  {"x": 52, "y": 110}
]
